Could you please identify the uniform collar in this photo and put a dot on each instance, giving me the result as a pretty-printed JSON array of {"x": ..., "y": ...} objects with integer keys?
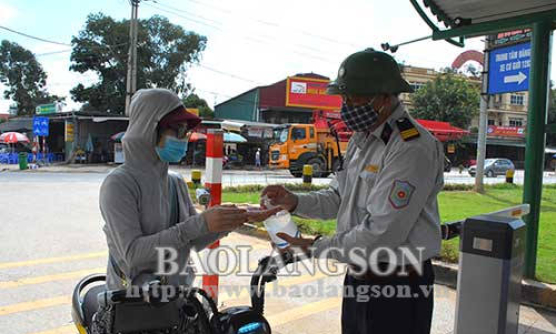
[
  {"x": 361, "y": 138},
  {"x": 398, "y": 113}
]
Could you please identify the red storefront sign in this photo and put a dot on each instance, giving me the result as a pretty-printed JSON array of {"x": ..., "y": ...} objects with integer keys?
[
  {"x": 505, "y": 131},
  {"x": 310, "y": 93}
]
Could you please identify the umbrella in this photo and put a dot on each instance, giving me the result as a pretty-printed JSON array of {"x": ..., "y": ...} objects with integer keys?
[
  {"x": 118, "y": 136},
  {"x": 196, "y": 136},
  {"x": 230, "y": 137},
  {"x": 13, "y": 137}
]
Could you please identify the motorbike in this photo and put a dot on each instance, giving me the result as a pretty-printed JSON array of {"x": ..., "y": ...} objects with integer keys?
[{"x": 96, "y": 310}]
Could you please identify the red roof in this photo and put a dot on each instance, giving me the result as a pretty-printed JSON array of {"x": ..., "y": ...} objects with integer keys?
[{"x": 444, "y": 131}]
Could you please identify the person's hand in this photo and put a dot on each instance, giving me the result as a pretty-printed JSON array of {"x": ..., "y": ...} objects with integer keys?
[
  {"x": 255, "y": 215},
  {"x": 280, "y": 196},
  {"x": 299, "y": 243},
  {"x": 224, "y": 218}
]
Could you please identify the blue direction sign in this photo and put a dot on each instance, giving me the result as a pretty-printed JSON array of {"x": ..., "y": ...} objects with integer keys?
[
  {"x": 509, "y": 69},
  {"x": 40, "y": 126}
]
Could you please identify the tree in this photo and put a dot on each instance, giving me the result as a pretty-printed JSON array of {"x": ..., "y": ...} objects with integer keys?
[
  {"x": 24, "y": 78},
  {"x": 448, "y": 98},
  {"x": 194, "y": 101},
  {"x": 164, "y": 52}
]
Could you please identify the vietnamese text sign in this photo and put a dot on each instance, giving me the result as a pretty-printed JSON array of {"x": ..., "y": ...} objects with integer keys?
[
  {"x": 45, "y": 109},
  {"x": 510, "y": 37},
  {"x": 69, "y": 132},
  {"x": 509, "y": 69},
  {"x": 40, "y": 126},
  {"x": 505, "y": 131},
  {"x": 310, "y": 93}
]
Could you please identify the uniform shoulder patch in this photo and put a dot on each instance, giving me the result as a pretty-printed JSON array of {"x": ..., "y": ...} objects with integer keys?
[
  {"x": 400, "y": 194},
  {"x": 408, "y": 131}
]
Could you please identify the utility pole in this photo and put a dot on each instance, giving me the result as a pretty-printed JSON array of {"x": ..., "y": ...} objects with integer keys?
[
  {"x": 483, "y": 119},
  {"x": 131, "y": 82}
]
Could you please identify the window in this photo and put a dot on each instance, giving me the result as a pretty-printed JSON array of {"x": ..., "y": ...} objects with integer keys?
[
  {"x": 490, "y": 122},
  {"x": 299, "y": 133},
  {"x": 516, "y": 99},
  {"x": 518, "y": 122},
  {"x": 417, "y": 85},
  {"x": 312, "y": 133}
]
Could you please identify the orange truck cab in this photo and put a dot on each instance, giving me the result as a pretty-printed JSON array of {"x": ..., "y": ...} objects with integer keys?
[{"x": 300, "y": 144}]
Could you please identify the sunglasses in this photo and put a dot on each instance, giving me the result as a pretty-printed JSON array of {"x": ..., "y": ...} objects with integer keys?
[{"x": 181, "y": 131}]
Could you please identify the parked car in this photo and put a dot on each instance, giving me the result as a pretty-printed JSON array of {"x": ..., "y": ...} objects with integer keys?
[{"x": 494, "y": 167}]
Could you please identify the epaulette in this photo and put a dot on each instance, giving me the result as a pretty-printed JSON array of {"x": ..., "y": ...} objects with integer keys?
[
  {"x": 408, "y": 131},
  {"x": 386, "y": 133}
]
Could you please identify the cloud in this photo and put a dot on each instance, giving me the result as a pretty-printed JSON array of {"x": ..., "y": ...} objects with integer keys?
[{"x": 7, "y": 13}]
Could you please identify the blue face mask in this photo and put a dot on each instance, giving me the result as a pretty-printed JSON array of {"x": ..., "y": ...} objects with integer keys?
[{"x": 173, "y": 151}]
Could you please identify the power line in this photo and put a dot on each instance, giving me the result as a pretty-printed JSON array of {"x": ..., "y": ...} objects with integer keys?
[
  {"x": 33, "y": 37},
  {"x": 250, "y": 38},
  {"x": 229, "y": 74},
  {"x": 278, "y": 25},
  {"x": 184, "y": 17}
]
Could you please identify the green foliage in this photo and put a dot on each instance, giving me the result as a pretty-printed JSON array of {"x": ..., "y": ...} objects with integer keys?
[
  {"x": 448, "y": 98},
  {"x": 194, "y": 101},
  {"x": 551, "y": 137},
  {"x": 164, "y": 53},
  {"x": 24, "y": 78}
]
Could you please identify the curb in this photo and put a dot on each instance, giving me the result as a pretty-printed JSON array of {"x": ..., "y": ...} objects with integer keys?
[{"x": 533, "y": 293}]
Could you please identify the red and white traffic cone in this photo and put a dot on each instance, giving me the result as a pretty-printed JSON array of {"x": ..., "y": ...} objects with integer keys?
[{"x": 213, "y": 177}]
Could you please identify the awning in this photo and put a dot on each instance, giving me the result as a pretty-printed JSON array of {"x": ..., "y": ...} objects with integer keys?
[
  {"x": 444, "y": 131},
  {"x": 21, "y": 125},
  {"x": 232, "y": 126},
  {"x": 480, "y": 11},
  {"x": 480, "y": 17}
]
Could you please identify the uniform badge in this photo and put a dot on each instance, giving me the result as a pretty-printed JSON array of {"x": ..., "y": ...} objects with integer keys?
[
  {"x": 372, "y": 168},
  {"x": 400, "y": 194}
]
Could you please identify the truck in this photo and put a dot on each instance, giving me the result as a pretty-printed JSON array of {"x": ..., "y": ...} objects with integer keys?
[
  {"x": 315, "y": 144},
  {"x": 320, "y": 144}
]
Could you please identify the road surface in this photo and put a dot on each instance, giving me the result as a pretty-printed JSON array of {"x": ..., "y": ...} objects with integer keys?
[{"x": 51, "y": 236}]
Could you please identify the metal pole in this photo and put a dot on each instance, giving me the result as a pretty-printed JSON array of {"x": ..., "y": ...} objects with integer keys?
[
  {"x": 536, "y": 137},
  {"x": 134, "y": 48},
  {"x": 483, "y": 119},
  {"x": 131, "y": 84}
]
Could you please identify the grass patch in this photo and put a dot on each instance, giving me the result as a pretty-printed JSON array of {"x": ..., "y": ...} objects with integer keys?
[{"x": 455, "y": 203}]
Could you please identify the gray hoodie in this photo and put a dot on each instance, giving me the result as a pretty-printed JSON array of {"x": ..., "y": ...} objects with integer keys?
[{"x": 135, "y": 201}]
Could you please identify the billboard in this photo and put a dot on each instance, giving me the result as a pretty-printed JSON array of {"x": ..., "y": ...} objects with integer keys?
[
  {"x": 51, "y": 108},
  {"x": 310, "y": 93},
  {"x": 505, "y": 131},
  {"x": 510, "y": 37}
]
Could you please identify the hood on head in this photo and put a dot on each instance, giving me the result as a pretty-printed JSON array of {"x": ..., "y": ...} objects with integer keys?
[{"x": 147, "y": 108}]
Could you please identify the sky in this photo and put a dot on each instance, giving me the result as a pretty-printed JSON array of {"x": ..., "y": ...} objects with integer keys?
[{"x": 250, "y": 42}]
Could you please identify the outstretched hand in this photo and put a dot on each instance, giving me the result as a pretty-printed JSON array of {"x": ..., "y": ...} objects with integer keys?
[{"x": 255, "y": 215}]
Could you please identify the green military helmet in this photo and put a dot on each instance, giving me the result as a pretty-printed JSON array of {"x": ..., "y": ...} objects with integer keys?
[{"x": 367, "y": 73}]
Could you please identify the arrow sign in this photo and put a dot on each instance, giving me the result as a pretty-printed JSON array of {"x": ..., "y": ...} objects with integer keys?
[
  {"x": 508, "y": 69},
  {"x": 519, "y": 78}
]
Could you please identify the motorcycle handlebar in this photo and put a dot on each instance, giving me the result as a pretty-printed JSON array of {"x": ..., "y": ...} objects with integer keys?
[{"x": 267, "y": 272}]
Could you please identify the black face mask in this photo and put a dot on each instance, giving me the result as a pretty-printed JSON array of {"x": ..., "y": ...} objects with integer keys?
[{"x": 360, "y": 118}]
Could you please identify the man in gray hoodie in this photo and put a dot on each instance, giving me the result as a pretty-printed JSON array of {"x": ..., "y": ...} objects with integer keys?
[{"x": 144, "y": 206}]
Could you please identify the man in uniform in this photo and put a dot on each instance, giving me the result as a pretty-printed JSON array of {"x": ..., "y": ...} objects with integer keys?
[{"x": 385, "y": 202}]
